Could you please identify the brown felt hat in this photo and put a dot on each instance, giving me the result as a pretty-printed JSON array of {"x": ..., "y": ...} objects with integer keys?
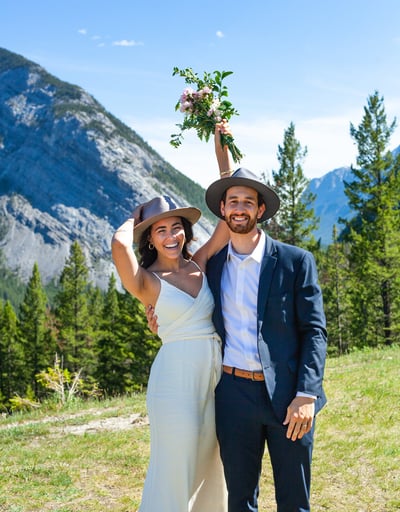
[
  {"x": 159, "y": 208},
  {"x": 242, "y": 178}
]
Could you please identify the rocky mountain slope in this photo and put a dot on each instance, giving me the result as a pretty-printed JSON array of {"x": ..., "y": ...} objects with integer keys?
[{"x": 70, "y": 171}]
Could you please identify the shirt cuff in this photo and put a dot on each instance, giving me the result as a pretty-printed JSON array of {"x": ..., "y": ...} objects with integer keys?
[{"x": 301, "y": 393}]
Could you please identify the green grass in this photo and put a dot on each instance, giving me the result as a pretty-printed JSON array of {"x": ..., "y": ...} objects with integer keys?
[{"x": 45, "y": 467}]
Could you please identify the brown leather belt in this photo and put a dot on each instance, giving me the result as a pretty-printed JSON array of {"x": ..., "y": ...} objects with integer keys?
[{"x": 244, "y": 374}]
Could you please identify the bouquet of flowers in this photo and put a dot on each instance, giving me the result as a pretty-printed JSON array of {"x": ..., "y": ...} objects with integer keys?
[{"x": 205, "y": 106}]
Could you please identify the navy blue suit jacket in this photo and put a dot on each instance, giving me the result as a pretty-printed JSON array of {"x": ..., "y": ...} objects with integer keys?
[{"x": 292, "y": 335}]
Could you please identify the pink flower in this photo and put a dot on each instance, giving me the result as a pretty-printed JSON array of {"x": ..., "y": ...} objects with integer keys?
[
  {"x": 187, "y": 93},
  {"x": 186, "y": 106},
  {"x": 204, "y": 92},
  {"x": 213, "y": 110}
]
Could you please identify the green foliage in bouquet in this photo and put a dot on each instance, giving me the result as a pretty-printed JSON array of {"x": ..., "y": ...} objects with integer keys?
[{"x": 204, "y": 107}]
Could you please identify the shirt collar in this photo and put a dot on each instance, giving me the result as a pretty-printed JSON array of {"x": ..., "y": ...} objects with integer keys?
[{"x": 257, "y": 253}]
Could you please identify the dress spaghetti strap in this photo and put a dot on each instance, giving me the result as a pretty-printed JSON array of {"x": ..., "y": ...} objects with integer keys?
[{"x": 196, "y": 265}]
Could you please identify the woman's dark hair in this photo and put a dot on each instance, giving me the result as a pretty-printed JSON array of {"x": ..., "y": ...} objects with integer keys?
[{"x": 148, "y": 256}]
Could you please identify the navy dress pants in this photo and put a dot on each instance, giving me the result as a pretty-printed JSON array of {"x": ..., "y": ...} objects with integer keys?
[{"x": 245, "y": 424}]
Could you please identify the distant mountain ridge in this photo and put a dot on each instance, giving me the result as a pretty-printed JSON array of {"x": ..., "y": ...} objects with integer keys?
[{"x": 331, "y": 202}]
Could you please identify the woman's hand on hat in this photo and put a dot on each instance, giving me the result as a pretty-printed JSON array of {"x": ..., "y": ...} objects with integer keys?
[{"x": 137, "y": 214}]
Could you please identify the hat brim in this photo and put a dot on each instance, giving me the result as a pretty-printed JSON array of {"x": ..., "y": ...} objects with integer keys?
[
  {"x": 190, "y": 213},
  {"x": 217, "y": 189}
]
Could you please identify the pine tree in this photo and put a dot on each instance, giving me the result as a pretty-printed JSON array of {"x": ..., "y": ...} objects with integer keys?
[
  {"x": 34, "y": 331},
  {"x": 12, "y": 376},
  {"x": 296, "y": 217},
  {"x": 95, "y": 301},
  {"x": 336, "y": 281},
  {"x": 141, "y": 343},
  {"x": 72, "y": 315},
  {"x": 374, "y": 232},
  {"x": 113, "y": 371}
]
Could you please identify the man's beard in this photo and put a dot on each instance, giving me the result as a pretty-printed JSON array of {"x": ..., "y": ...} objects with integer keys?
[{"x": 242, "y": 228}]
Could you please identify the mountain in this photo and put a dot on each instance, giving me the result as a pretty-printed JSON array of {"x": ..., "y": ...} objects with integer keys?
[
  {"x": 331, "y": 202},
  {"x": 69, "y": 170}
]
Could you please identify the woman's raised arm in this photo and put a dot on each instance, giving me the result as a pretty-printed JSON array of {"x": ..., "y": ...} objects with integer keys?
[
  {"x": 220, "y": 236},
  {"x": 135, "y": 279}
]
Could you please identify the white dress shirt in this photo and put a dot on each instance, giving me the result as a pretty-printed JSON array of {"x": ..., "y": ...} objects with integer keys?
[{"x": 239, "y": 292}]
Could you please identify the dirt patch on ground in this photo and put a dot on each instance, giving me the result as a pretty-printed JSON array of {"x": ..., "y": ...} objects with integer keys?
[
  {"x": 113, "y": 424},
  {"x": 62, "y": 424}
]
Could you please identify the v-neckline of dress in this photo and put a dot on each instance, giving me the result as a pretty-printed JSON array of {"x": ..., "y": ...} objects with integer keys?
[{"x": 180, "y": 289}]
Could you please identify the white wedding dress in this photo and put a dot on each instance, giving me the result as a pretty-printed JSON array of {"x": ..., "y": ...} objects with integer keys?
[{"x": 185, "y": 472}]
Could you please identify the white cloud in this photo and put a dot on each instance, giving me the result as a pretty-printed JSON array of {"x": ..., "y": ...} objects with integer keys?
[
  {"x": 82, "y": 31},
  {"x": 219, "y": 34},
  {"x": 125, "y": 42}
]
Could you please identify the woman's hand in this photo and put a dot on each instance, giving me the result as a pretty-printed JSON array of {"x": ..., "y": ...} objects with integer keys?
[
  {"x": 223, "y": 127},
  {"x": 222, "y": 153}
]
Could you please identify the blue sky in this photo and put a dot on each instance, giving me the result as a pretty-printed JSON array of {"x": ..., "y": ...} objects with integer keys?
[{"x": 310, "y": 62}]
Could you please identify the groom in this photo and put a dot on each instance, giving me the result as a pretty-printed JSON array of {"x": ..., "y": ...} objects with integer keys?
[{"x": 269, "y": 314}]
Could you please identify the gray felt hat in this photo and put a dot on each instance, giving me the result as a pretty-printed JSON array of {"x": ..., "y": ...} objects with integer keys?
[
  {"x": 159, "y": 208},
  {"x": 243, "y": 178}
]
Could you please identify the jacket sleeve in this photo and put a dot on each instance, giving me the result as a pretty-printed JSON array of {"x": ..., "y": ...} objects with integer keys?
[{"x": 311, "y": 325}]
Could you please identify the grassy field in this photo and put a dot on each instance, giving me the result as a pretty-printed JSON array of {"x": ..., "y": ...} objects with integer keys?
[{"x": 92, "y": 457}]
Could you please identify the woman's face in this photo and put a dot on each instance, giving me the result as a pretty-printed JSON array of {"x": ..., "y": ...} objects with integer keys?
[{"x": 168, "y": 236}]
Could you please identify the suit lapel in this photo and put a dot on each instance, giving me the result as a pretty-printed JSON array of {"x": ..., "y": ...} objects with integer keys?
[
  {"x": 214, "y": 276},
  {"x": 266, "y": 272},
  {"x": 217, "y": 278}
]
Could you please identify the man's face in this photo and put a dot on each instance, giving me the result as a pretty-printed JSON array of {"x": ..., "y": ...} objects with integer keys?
[{"x": 241, "y": 210}]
